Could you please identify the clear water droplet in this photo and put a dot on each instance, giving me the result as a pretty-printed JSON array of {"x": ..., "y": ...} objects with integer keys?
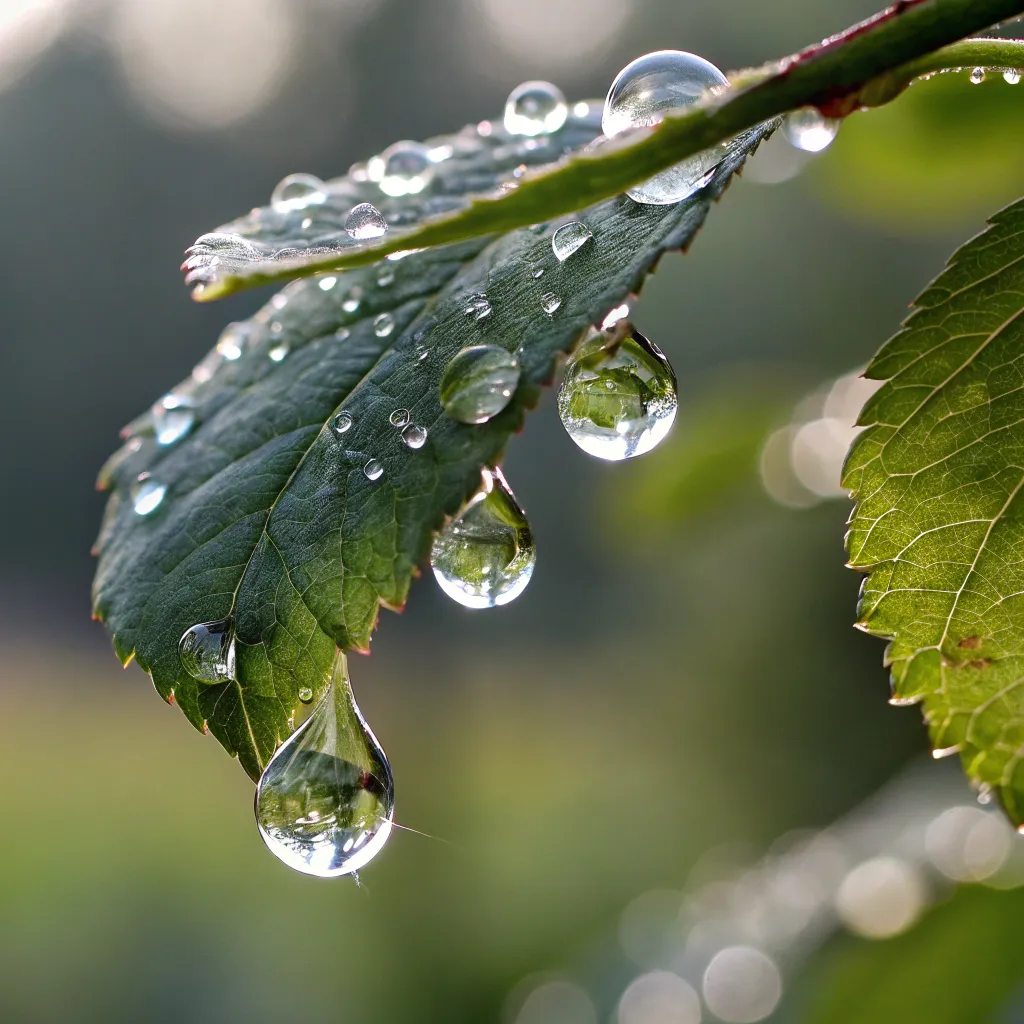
[
  {"x": 325, "y": 802},
  {"x": 342, "y": 333},
  {"x": 232, "y": 340},
  {"x": 478, "y": 306},
  {"x": 305, "y": 694},
  {"x": 173, "y": 417},
  {"x": 365, "y": 221},
  {"x": 297, "y": 191},
  {"x": 403, "y": 169},
  {"x": 385, "y": 276},
  {"x": 342, "y": 422},
  {"x": 228, "y": 245},
  {"x": 352, "y": 300},
  {"x": 383, "y": 325},
  {"x": 207, "y": 651},
  {"x": 537, "y": 274},
  {"x": 414, "y": 436},
  {"x": 485, "y": 556},
  {"x": 618, "y": 397},
  {"x": 373, "y": 470},
  {"x": 550, "y": 302},
  {"x": 977, "y": 76},
  {"x": 327, "y": 283},
  {"x": 569, "y": 238},
  {"x": 535, "y": 108},
  {"x": 1011, "y": 76},
  {"x": 278, "y": 352},
  {"x": 643, "y": 91},
  {"x": 808, "y": 129},
  {"x": 307, "y": 222},
  {"x": 147, "y": 495},
  {"x": 478, "y": 383},
  {"x": 399, "y": 418}
]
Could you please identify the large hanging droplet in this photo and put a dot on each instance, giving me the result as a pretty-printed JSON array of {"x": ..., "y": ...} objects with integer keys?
[
  {"x": 643, "y": 91},
  {"x": 485, "y": 556},
  {"x": 618, "y": 397},
  {"x": 173, "y": 417},
  {"x": 297, "y": 191},
  {"x": 478, "y": 383},
  {"x": 403, "y": 169},
  {"x": 207, "y": 651},
  {"x": 325, "y": 802},
  {"x": 365, "y": 221},
  {"x": 808, "y": 129},
  {"x": 535, "y": 108},
  {"x": 569, "y": 238}
]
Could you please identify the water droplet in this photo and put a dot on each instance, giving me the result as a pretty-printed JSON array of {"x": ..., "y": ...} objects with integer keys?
[
  {"x": 341, "y": 422},
  {"x": 207, "y": 651},
  {"x": 342, "y": 333},
  {"x": 232, "y": 340},
  {"x": 643, "y": 91},
  {"x": 278, "y": 352},
  {"x": 373, "y": 470},
  {"x": 385, "y": 276},
  {"x": 307, "y": 222},
  {"x": 478, "y": 383},
  {"x": 297, "y": 191},
  {"x": 327, "y": 283},
  {"x": 403, "y": 169},
  {"x": 985, "y": 795},
  {"x": 808, "y": 129},
  {"x": 550, "y": 302},
  {"x": 383, "y": 325},
  {"x": 365, "y": 221},
  {"x": 399, "y": 417},
  {"x": 478, "y": 306},
  {"x": 305, "y": 694},
  {"x": 173, "y": 417},
  {"x": 977, "y": 76},
  {"x": 1011, "y": 76},
  {"x": 535, "y": 108},
  {"x": 325, "y": 801},
  {"x": 485, "y": 556},
  {"x": 352, "y": 300},
  {"x": 229, "y": 245},
  {"x": 276, "y": 328},
  {"x": 414, "y": 436},
  {"x": 147, "y": 494},
  {"x": 537, "y": 274},
  {"x": 568, "y": 238},
  {"x": 618, "y": 398}
]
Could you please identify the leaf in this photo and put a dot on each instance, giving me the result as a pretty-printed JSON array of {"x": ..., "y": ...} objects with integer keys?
[
  {"x": 268, "y": 515},
  {"x": 939, "y": 521}
]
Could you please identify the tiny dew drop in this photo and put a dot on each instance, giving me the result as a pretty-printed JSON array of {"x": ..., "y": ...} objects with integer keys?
[
  {"x": 297, "y": 191},
  {"x": 325, "y": 802},
  {"x": 278, "y": 352},
  {"x": 147, "y": 494},
  {"x": 353, "y": 299},
  {"x": 399, "y": 418},
  {"x": 642, "y": 93},
  {"x": 373, "y": 470},
  {"x": 207, "y": 651},
  {"x": 342, "y": 422},
  {"x": 383, "y": 325},
  {"x": 618, "y": 397},
  {"x": 1011, "y": 76},
  {"x": 365, "y": 221},
  {"x": 537, "y": 274},
  {"x": 342, "y": 333},
  {"x": 550, "y": 302},
  {"x": 808, "y": 129},
  {"x": 385, "y": 276},
  {"x": 478, "y": 306},
  {"x": 569, "y": 238},
  {"x": 173, "y": 417},
  {"x": 485, "y": 556},
  {"x": 232, "y": 340},
  {"x": 535, "y": 108},
  {"x": 977, "y": 76},
  {"x": 478, "y": 383},
  {"x": 414, "y": 436},
  {"x": 305, "y": 694},
  {"x": 403, "y": 169}
]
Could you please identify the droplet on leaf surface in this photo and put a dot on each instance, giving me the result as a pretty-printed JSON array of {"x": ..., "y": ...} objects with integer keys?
[
  {"x": 569, "y": 238},
  {"x": 618, "y": 397},
  {"x": 535, "y": 108},
  {"x": 147, "y": 495},
  {"x": 478, "y": 383},
  {"x": 365, "y": 221},
  {"x": 373, "y": 470},
  {"x": 297, "y": 191},
  {"x": 383, "y": 325},
  {"x": 207, "y": 651},
  {"x": 173, "y": 417},
  {"x": 325, "y": 802},
  {"x": 403, "y": 169},
  {"x": 485, "y": 556},
  {"x": 977, "y": 76}
]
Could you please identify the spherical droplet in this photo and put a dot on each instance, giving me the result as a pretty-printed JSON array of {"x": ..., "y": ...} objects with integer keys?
[
  {"x": 278, "y": 352},
  {"x": 399, "y": 418},
  {"x": 342, "y": 422},
  {"x": 297, "y": 191},
  {"x": 569, "y": 238},
  {"x": 383, "y": 325},
  {"x": 373, "y": 470},
  {"x": 643, "y": 91},
  {"x": 173, "y": 417},
  {"x": 485, "y": 556},
  {"x": 403, "y": 169},
  {"x": 977, "y": 76},
  {"x": 207, "y": 651},
  {"x": 550, "y": 302},
  {"x": 1011, "y": 76},
  {"x": 808, "y": 129},
  {"x": 618, "y": 397},
  {"x": 414, "y": 436},
  {"x": 147, "y": 495},
  {"x": 535, "y": 108},
  {"x": 305, "y": 694},
  {"x": 478, "y": 383},
  {"x": 365, "y": 221}
]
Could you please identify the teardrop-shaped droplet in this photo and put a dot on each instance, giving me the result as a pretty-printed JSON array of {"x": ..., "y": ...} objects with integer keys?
[
  {"x": 403, "y": 169},
  {"x": 478, "y": 306},
  {"x": 569, "y": 238},
  {"x": 485, "y": 556},
  {"x": 147, "y": 494},
  {"x": 342, "y": 422},
  {"x": 414, "y": 436},
  {"x": 207, "y": 651},
  {"x": 365, "y": 221},
  {"x": 1011, "y": 76},
  {"x": 977, "y": 76},
  {"x": 373, "y": 470},
  {"x": 297, "y": 191},
  {"x": 643, "y": 91},
  {"x": 325, "y": 802},
  {"x": 550, "y": 302},
  {"x": 618, "y": 397},
  {"x": 478, "y": 383},
  {"x": 808, "y": 129},
  {"x": 383, "y": 325},
  {"x": 535, "y": 108},
  {"x": 173, "y": 417}
]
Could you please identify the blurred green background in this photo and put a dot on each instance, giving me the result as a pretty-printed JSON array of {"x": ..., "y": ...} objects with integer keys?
[{"x": 680, "y": 674}]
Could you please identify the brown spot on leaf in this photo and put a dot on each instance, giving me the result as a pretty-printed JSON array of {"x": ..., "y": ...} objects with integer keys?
[{"x": 972, "y": 643}]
